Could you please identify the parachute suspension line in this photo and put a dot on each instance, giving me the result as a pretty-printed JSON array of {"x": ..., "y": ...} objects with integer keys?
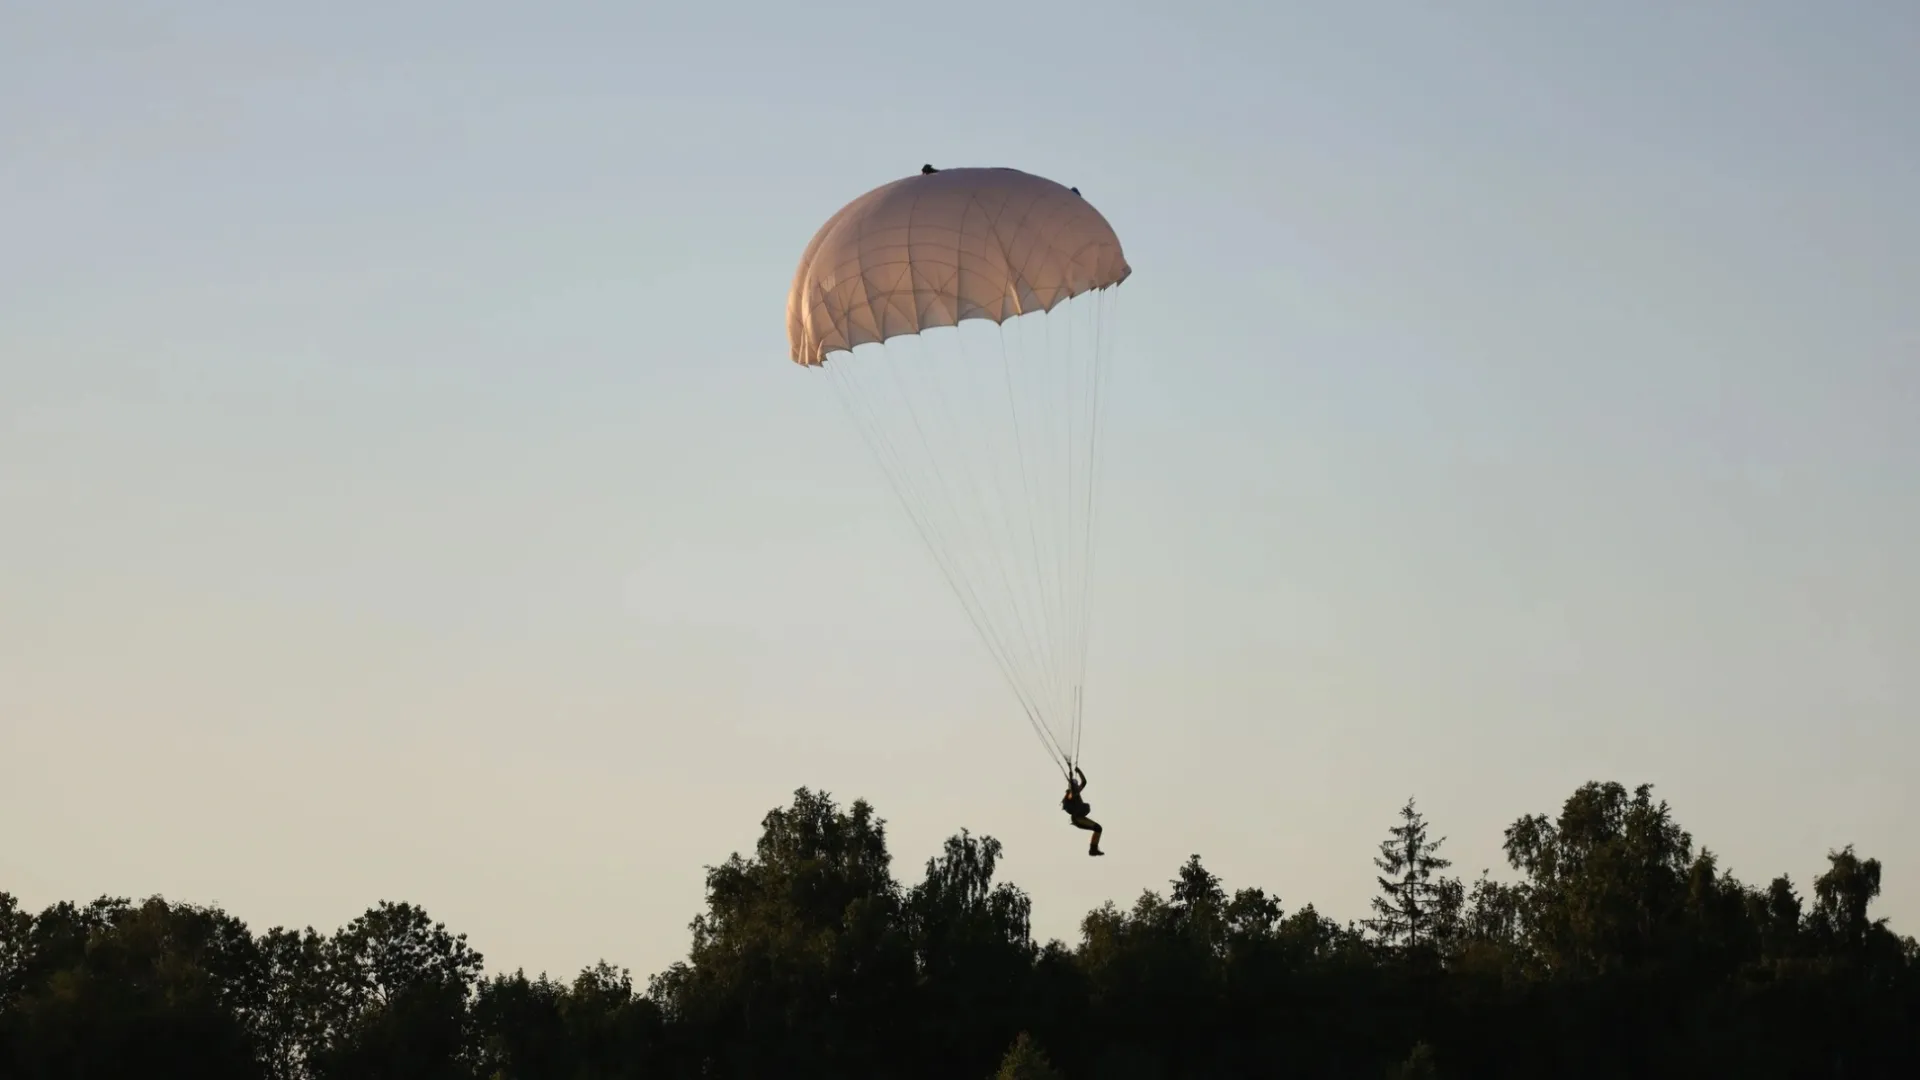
[
  {"x": 936, "y": 534},
  {"x": 923, "y": 505},
  {"x": 1017, "y": 600},
  {"x": 889, "y": 457},
  {"x": 973, "y": 376},
  {"x": 1060, "y": 506},
  {"x": 1045, "y": 650},
  {"x": 1055, "y": 376},
  {"x": 1070, "y": 592},
  {"x": 1060, "y": 509},
  {"x": 1047, "y": 503},
  {"x": 1074, "y": 522},
  {"x": 1087, "y": 503},
  {"x": 1078, "y": 585},
  {"x": 1060, "y": 515},
  {"x": 1034, "y": 627},
  {"x": 1106, "y": 315},
  {"x": 1074, "y": 583}
]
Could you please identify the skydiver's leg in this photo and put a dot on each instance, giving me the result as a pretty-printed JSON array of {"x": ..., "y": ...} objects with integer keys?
[{"x": 1093, "y": 846}]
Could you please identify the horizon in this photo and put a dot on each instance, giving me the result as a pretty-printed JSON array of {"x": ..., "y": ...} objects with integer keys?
[
  {"x": 405, "y": 490},
  {"x": 903, "y": 876}
]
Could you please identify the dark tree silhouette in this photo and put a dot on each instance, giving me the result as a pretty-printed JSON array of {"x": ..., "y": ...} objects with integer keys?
[
  {"x": 1618, "y": 949},
  {"x": 1413, "y": 907},
  {"x": 1025, "y": 1061}
]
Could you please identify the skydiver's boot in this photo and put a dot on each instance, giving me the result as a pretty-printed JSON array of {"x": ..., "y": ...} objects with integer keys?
[{"x": 1094, "y": 848}]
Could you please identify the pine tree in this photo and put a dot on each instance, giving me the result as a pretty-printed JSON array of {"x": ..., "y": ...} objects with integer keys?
[{"x": 1411, "y": 899}]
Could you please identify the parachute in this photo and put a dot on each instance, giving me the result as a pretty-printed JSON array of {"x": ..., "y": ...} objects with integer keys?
[{"x": 964, "y": 318}]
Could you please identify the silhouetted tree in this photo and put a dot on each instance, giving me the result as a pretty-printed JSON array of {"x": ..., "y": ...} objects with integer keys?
[
  {"x": 800, "y": 965},
  {"x": 596, "y": 1028},
  {"x": 1025, "y": 1061},
  {"x": 1411, "y": 904},
  {"x": 112, "y": 984},
  {"x": 973, "y": 952},
  {"x": 1619, "y": 950},
  {"x": 1841, "y": 898}
]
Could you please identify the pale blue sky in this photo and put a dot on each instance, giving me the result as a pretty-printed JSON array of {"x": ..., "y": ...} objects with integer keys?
[{"x": 404, "y": 491}]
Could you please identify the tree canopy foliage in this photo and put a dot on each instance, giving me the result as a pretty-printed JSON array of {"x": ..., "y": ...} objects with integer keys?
[{"x": 1616, "y": 948}]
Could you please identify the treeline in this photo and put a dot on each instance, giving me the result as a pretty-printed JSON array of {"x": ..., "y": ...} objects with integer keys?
[{"x": 1621, "y": 950}]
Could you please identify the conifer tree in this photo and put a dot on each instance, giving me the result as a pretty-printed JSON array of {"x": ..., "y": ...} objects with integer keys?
[{"x": 1411, "y": 898}]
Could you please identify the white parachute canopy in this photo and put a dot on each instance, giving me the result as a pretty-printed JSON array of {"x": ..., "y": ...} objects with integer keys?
[{"x": 964, "y": 317}]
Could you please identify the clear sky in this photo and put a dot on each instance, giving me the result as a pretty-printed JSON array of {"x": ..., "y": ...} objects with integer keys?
[{"x": 405, "y": 493}]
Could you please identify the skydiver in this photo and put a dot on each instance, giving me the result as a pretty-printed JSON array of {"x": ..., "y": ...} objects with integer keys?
[{"x": 1078, "y": 809}]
